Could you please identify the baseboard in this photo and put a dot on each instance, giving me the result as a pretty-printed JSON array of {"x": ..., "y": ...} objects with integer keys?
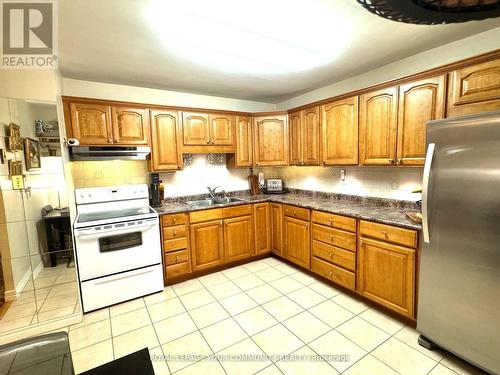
[{"x": 22, "y": 283}]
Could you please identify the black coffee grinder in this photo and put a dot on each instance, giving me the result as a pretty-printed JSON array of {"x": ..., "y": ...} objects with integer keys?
[{"x": 154, "y": 190}]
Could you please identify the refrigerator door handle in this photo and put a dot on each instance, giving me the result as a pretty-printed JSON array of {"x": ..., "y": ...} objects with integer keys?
[{"x": 425, "y": 191}]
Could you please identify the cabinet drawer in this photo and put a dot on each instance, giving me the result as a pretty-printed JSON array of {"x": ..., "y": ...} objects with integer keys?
[
  {"x": 335, "y": 237},
  {"x": 176, "y": 257},
  {"x": 389, "y": 233},
  {"x": 297, "y": 212},
  {"x": 336, "y": 255},
  {"x": 336, "y": 221},
  {"x": 175, "y": 244},
  {"x": 174, "y": 219},
  {"x": 176, "y": 270},
  {"x": 236, "y": 211},
  {"x": 334, "y": 273},
  {"x": 175, "y": 232},
  {"x": 205, "y": 215}
]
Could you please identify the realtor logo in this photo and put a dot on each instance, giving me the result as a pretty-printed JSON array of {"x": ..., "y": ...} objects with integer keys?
[{"x": 29, "y": 34}]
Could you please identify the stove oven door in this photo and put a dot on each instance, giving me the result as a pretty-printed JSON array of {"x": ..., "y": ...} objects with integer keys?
[{"x": 111, "y": 249}]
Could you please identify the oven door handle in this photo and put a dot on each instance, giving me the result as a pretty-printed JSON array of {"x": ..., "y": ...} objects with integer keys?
[{"x": 122, "y": 230}]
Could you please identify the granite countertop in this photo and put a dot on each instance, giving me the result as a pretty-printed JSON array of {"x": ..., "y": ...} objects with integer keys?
[{"x": 386, "y": 214}]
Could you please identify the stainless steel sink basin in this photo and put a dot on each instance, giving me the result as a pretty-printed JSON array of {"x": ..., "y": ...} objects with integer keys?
[{"x": 211, "y": 202}]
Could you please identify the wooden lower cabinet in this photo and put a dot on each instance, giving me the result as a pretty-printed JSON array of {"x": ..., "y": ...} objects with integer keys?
[
  {"x": 207, "y": 244},
  {"x": 238, "y": 238},
  {"x": 386, "y": 275},
  {"x": 176, "y": 251},
  {"x": 277, "y": 228},
  {"x": 262, "y": 226},
  {"x": 297, "y": 243}
]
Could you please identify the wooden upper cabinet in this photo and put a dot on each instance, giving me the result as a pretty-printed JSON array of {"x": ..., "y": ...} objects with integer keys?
[
  {"x": 238, "y": 238},
  {"x": 310, "y": 136},
  {"x": 130, "y": 126},
  {"x": 276, "y": 228},
  {"x": 166, "y": 139},
  {"x": 91, "y": 123},
  {"x": 474, "y": 89},
  {"x": 419, "y": 102},
  {"x": 295, "y": 126},
  {"x": 207, "y": 244},
  {"x": 271, "y": 140},
  {"x": 196, "y": 129},
  {"x": 262, "y": 225},
  {"x": 221, "y": 129},
  {"x": 339, "y": 127},
  {"x": 378, "y": 127},
  {"x": 297, "y": 241}
]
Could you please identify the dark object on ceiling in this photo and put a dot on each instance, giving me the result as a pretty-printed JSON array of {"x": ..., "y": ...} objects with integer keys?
[{"x": 432, "y": 12}]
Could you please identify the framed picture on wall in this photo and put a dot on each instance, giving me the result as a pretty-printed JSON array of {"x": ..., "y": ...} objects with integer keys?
[{"x": 32, "y": 154}]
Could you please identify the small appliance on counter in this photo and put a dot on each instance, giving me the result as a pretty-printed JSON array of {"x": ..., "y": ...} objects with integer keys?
[
  {"x": 274, "y": 186},
  {"x": 154, "y": 190}
]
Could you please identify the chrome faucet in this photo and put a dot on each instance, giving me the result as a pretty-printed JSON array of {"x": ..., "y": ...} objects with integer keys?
[{"x": 212, "y": 191}]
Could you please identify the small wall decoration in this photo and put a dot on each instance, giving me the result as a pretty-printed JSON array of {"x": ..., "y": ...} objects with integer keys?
[
  {"x": 32, "y": 153},
  {"x": 15, "y": 141}
]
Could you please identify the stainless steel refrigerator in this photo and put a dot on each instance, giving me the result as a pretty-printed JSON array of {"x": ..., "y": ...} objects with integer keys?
[{"x": 459, "y": 283}]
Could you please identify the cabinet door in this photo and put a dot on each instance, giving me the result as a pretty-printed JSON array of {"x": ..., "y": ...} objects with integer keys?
[
  {"x": 238, "y": 238},
  {"x": 221, "y": 129},
  {"x": 207, "y": 244},
  {"x": 297, "y": 243},
  {"x": 195, "y": 129},
  {"x": 419, "y": 102},
  {"x": 166, "y": 141},
  {"x": 295, "y": 125},
  {"x": 271, "y": 141},
  {"x": 130, "y": 126},
  {"x": 244, "y": 143},
  {"x": 474, "y": 89},
  {"x": 91, "y": 123},
  {"x": 339, "y": 126},
  {"x": 386, "y": 274},
  {"x": 262, "y": 225},
  {"x": 377, "y": 127},
  {"x": 310, "y": 136},
  {"x": 277, "y": 228}
]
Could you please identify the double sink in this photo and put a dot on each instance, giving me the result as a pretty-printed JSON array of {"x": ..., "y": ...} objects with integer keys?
[{"x": 212, "y": 201}]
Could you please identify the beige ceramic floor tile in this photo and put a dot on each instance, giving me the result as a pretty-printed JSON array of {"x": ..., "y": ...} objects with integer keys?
[
  {"x": 332, "y": 345},
  {"x": 125, "y": 307},
  {"x": 192, "y": 346},
  {"x": 16, "y": 323},
  {"x": 19, "y": 311},
  {"x": 306, "y": 326},
  {"x": 248, "y": 282},
  {"x": 158, "y": 361},
  {"x": 213, "y": 279},
  {"x": 286, "y": 285},
  {"x": 187, "y": 287},
  {"x": 403, "y": 358},
  {"x": 255, "y": 320},
  {"x": 270, "y": 274},
  {"x": 286, "y": 269},
  {"x": 312, "y": 365},
  {"x": 166, "y": 294},
  {"x": 165, "y": 309},
  {"x": 363, "y": 333},
  {"x": 223, "y": 334},
  {"x": 91, "y": 334},
  {"x": 257, "y": 266},
  {"x": 237, "y": 303},
  {"x": 306, "y": 297},
  {"x": 174, "y": 327},
  {"x": 132, "y": 341},
  {"x": 224, "y": 290},
  {"x": 53, "y": 314},
  {"x": 460, "y": 366},
  {"x": 235, "y": 272},
  {"x": 196, "y": 299},
  {"x": 273, "y": 261},
  {"x": 369, "y": 365},
  {"x": 442, "y": 370},
  {"x": 92, "y": 356},
  {"x": 277, "y": 341},
  {"x": 324, "y": 289},
  {"x": 203, "y": 367},
  {"x": 303, "y": 278},
  {"x": 129, "y": 321},
  {"x": 208, "y": 314},
  {"x": 270, "y": 370},
  {"x": 263, "y": 293},
  {"x": 233, "y": 366},
  {"x": 410, "y": 337},
  {"x": 350, "y": 303},
  {"x": 382, "y": 321},
  {"x": 92, "y": 317},
  {"x": 282, "y": 308}
]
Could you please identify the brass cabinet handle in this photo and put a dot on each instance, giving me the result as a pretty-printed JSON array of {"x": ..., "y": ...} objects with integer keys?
[
  {"x": 330, "y": 221},
  {"x": 392, "y": 161},
  {"x": 110, "y": 140},
  {"x": 383, "y": 233},
  {"x": 175, "y": 232},
  {"x": 330, "y": 274},
  {"x": 208, "y": 142},
  {"x": 400, "y": 161},
  {"x": 174, "y": 220},
  {"x": 331, "y": 237},
  {"x": 221, "y": 222},
  {"x": 177, "y": 258},
  {"x": 330, "y": 255},
  {"x": 213, "y": 142},
  {"x": 294, "y": 213},
  {"x": 178, "y": 166}
]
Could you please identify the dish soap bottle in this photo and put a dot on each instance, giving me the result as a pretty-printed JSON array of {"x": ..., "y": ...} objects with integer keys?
[{"x": 162, "y": 191}]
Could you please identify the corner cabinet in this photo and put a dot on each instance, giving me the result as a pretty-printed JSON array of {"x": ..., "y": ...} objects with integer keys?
[
  {"x": 166, "y": 141},
  {"x": 270, "y": 141},
  {"x": 305, "y": 137},
  {"x": 339, "y": 128},
  {"x": 243, "y": 156},
  {"x": 277, "y": 228}
]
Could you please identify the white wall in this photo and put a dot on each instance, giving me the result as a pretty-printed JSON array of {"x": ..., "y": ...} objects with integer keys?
[
  {"x": 73, "y": 87},
  {"x": 29, "y": 84},
  {"x": 448, "y": 53}
]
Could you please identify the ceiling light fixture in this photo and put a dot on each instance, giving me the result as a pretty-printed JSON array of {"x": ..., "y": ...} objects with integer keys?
[{"x": 251, "y": 37}]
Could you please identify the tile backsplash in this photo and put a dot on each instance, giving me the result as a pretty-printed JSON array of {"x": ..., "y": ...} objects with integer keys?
[{"x": 108, "y": 173}]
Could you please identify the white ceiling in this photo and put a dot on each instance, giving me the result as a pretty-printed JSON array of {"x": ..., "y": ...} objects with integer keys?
[{"x": 290, "y": 47}]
